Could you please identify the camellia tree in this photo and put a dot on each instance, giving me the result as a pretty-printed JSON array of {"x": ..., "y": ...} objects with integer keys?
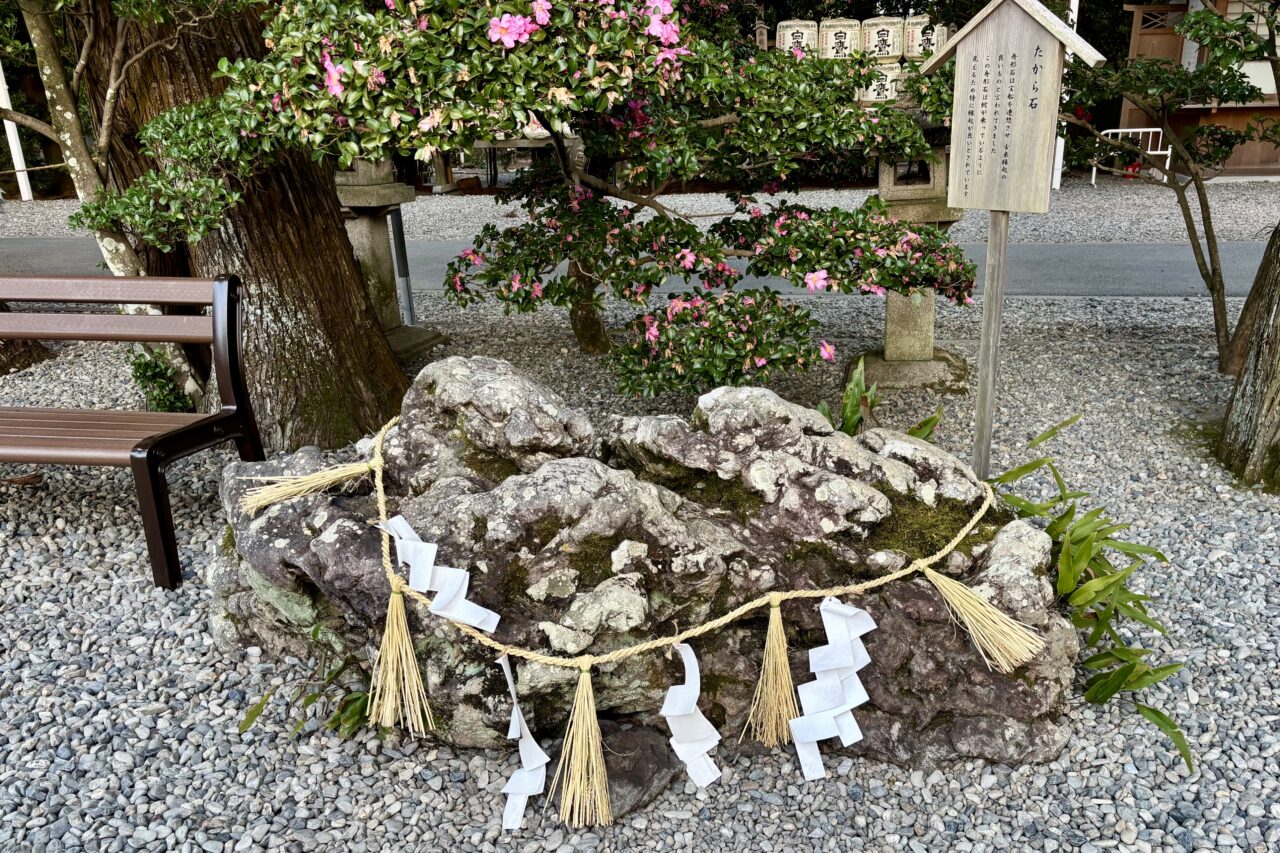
[{"x": 635, "y": 101}]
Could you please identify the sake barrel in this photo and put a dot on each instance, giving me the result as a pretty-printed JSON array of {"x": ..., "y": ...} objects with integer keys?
[
  {"x": 797, "y": 34},
  {"x": 885, "y": 88},
  {"x": 838, "y": 38},
  {"x": 923, "y": 38},
  {"x": 882, "y": 38}
]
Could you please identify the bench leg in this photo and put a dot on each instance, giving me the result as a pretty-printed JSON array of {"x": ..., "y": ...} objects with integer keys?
[
  {"x": 157, "y": 521},
  {"x": 250, "y": 447}
]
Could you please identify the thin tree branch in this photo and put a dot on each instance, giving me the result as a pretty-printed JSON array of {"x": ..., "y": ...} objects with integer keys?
[
  {"x": 720, "y": 121},
  {"x": 106, "y": 129},
  {"x": 91, "y": 34},
  {"x": 32, "y": 124},
  {"x": 618, "y": 192}
]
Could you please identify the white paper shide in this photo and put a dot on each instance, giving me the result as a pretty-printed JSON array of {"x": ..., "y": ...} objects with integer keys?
[
  {"x": 530, "y": 778},
  {"x": 448, "y": 585},
  {"x": 692, "y": 735},
  {"x": 828, "y": 701}
]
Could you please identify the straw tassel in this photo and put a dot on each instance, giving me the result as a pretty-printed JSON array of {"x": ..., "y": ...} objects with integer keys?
[
  {"x": 774, "y": 705},
  {"x": 284, "y": 488},
  {"x": 1004, "y": 643},
  {"x": 581, "y": 775},
  {"x": 396, "y": 693}
]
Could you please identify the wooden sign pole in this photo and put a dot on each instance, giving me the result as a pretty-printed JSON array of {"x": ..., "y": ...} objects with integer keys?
[{"x": 989, "y": 353}]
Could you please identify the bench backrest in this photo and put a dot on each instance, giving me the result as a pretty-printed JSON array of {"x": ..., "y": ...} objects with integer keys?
[{"x": 219, "y": 328}]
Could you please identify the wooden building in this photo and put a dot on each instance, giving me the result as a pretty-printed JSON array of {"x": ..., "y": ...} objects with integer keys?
[{"x": 1153, "y": 35}]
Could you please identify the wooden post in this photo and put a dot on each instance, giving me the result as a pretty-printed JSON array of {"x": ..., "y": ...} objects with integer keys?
[
  {"x": 1008, "y": 87},
  {"x": 15, "y": 145},
  {"x": 989, "y": 351}
]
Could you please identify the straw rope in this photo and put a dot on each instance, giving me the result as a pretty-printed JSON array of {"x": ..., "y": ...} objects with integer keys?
[{"x": 771, "y": 599}]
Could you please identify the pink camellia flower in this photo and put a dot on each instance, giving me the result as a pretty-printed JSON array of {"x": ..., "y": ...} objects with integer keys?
[
  {"x": 816, "y": 281},
  {"x": 391, "y": 4},
  {"x": 797, "y": 52},
  {"x": 686, "y": 258},
  {"x": 875, "y": 289},
  {"x": 332, "y": 75},
  {"x": 537, "y": 290},
  {"x": 761, "y": 361},
  {"x": 511, "y": 29},
  {"x": 515, "y": 282},
  {"x": 542, "y": 12},
  {"x": 827, "y": 351}
]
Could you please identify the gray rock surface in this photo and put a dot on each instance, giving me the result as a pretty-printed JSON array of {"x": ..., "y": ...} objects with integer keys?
[{"x": 673, "y": 523}]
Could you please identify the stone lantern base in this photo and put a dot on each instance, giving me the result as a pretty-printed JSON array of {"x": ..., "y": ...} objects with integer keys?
[
  {"x": 368, "y": 192},
  {"x": 909, "y": 358},
  {"x": 916, "y": 193}
]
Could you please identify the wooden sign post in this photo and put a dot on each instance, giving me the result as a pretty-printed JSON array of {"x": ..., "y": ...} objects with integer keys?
[{"x": 1009, "y": 62}]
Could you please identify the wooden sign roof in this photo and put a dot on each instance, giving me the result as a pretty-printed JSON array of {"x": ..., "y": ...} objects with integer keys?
[{"x": 1056, "y": 26}]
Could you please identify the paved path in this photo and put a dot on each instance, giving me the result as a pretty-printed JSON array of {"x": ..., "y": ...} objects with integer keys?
[{"x": 1035, "y": 269}]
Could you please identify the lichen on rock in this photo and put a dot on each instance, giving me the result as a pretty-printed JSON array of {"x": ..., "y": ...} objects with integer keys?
[{"x": 586, "y": 540}]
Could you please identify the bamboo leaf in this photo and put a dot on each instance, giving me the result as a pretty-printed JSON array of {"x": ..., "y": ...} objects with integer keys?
[
  {"x": 1109, "y": 684},
  {"x": 1164, "y": 723},
  {"x": 1096, "y": 589},
  {"x": 251, "y": 716},
  {"x": 1053, "y": 431},
  {"x": 1154, "y": 675}
]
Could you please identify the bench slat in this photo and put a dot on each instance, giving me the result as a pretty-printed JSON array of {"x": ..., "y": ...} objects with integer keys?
[
  {"x": 107, "y": 327},
  {"x": 108, "y": 290},
  {"x": 80, "y": 436}
]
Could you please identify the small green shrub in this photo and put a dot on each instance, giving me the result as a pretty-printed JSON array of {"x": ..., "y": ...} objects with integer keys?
[
  {"x": 1092, "y": 572},
  {"x": 158, "y": 382}
]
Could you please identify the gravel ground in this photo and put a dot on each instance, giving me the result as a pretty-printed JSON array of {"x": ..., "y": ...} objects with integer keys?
[
  {"x": 118, "y": 718},
  {"x": 1116, "y": 211}
]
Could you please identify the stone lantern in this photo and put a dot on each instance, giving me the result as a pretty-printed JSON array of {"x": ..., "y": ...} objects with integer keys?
[
  {"x": 368, "y": 192},
  {"x": 916, "y": 192}
]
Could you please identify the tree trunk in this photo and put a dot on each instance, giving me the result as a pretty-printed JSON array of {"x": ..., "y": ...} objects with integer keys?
[
  {"x": 64, "y": 116},
  {"x": 1251, "y": 437},
  {"x": 20, "y": 354},
  {"x": 319, "y": 368},
  {"x": 584, "y": 318}
]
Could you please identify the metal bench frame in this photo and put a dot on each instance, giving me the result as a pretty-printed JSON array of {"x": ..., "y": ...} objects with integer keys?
[{"x": 103, "y": 437}]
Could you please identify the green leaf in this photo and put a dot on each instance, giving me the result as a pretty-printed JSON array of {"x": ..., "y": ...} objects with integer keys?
[
  {"x": 1026, "y": 469},
  {"x": 1164, "y": 723},
  {"x": 1108, "y": 684},
  {"x": 1098, "y": 588},
  {"x": 925, "y": 428},
  {"x": 1133, "y": 549},
  {"x": 1153, "y": 675},
  {"x": 251, "y": 716},
  {"x": 1053, "y": 431}
]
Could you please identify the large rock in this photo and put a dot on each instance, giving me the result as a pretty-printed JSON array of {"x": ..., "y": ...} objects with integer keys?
[{"x": 586, "y": 542}]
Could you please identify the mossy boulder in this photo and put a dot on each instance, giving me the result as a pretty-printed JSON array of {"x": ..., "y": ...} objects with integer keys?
[{"x": 590, "y": 541}]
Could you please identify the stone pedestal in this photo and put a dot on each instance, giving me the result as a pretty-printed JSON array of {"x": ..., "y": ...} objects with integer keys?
[
  {"x": 916, "y": 192},
  {"x": 908, "y": 327},
  {"x": 368, "y": 192}
]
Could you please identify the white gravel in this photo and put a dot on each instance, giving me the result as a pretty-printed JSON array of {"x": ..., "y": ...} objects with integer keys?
[
  {"x": 1116, "y": 211},
  {"x": 118, "y": 717}
]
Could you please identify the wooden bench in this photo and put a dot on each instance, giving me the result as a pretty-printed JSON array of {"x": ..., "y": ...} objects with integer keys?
[{"x": 145, "y": 442}]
